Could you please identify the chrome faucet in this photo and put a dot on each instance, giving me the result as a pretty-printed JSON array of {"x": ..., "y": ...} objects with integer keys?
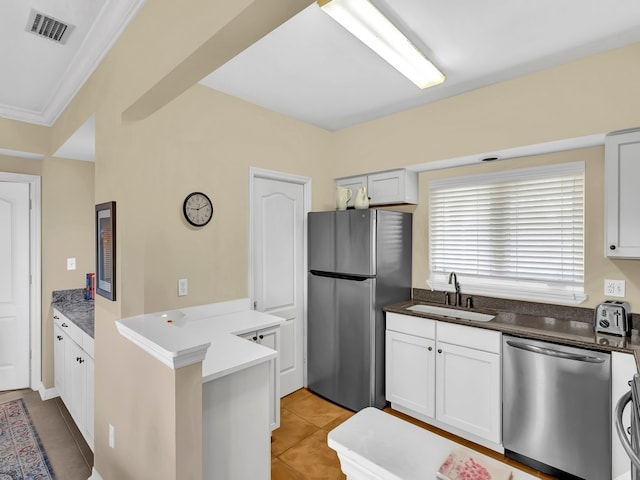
[{"x": 454, "y": 277}]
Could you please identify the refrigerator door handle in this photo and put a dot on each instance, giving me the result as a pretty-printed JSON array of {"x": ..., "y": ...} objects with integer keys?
[
  {"x": 555, "y": 353},
  {"x": 355, "y": 278}
]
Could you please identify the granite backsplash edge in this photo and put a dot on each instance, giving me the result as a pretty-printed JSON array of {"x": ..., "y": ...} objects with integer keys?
[{"x": 563, "y": 312}]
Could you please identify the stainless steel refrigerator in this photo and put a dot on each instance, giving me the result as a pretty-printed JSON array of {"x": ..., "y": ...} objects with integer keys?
[{"x": 359, "y": 261}]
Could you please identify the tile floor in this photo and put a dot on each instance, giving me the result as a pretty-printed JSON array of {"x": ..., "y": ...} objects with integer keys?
[
  {"x": 299, "y": 448},
  {"x": 69, "y": 455}
]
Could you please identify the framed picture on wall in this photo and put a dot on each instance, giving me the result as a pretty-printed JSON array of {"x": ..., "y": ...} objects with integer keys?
[{"x": 106, "y": 250}]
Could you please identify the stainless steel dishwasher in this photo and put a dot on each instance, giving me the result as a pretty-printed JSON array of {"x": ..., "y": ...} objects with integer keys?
[{"x": 557, "y": 408}]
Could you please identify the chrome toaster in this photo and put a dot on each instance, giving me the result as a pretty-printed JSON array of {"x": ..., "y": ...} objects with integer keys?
[{"x": 613, "y": 317}]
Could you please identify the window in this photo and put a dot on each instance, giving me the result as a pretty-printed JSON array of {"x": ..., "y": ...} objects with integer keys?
[{"x": 516, "y": 234}]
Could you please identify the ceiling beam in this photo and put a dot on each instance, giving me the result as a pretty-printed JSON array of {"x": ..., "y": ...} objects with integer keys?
[{"x": 254, "y": 22}]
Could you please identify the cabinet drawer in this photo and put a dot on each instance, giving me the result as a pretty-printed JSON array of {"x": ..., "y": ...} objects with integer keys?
[
  {"x": 68, "y": 327},
  {"x": 471, "y": 337},
  {"x": 420, "y": 327}
]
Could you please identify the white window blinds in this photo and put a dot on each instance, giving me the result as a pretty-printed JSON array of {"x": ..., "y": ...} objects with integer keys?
[{"x": 518, "y": 233}]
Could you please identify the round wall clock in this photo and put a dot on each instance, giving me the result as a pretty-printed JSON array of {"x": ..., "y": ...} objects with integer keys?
[{"x": 197, "y": 209}]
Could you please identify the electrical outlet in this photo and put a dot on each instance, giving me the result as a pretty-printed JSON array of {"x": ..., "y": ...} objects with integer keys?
[
  {"x": 71, "y": 263},
  {"x": 614, "y": 288},
  {"x": 112, "y": 436},
  {"x": 183, "y": 287}
]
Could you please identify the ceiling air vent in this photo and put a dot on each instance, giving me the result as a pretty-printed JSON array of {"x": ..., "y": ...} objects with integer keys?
[{"x": 46, "y": 26}]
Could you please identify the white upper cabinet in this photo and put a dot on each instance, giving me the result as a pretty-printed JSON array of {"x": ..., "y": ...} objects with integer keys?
[
  {"x": 385, "y": 188},
  {"x": 622, "y": 194}
]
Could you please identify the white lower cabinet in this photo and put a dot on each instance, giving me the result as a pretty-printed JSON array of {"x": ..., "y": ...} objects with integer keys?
[
  {"x": 468, "y": 390},
  {"x": 410, "y": 372},
  {"x": 74, "y": 373},
  {"x": 446, "y": 374},
  {"x": 270, "y": 337},
  {"x": 59, "y": 347}
]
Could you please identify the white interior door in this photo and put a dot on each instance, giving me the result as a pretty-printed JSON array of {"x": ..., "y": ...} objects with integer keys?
[
  {"x": 278, "y": 267},
  {"x": 14, "y": 285}
]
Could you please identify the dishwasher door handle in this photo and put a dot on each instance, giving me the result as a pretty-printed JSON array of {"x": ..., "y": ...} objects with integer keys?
[
  {"x": 555, "y": 353},
  {"x": 626, "y": 444}
]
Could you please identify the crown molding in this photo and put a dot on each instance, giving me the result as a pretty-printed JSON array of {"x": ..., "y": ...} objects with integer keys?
[{"x": 113, "y": 18}]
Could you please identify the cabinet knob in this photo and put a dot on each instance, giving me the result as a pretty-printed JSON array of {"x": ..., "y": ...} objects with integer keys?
[
  {"x": 612, "y": 247},
  {"x": 429, "y": 348},
  {"x": 55, "y": 317},
  {"x": 255, "y": 339},
  {"x": 261, "y": 337},
  {"x": 65, "y": 325},
  {"x": 439, "y": 350},
  {"x": 59, "y": 337}
]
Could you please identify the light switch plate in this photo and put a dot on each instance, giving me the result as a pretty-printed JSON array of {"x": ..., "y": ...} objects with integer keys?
[
  {"x": 71, "y": 263},
  {"x": 183, "y": 287},
  {"x": 614, "y": 288}
]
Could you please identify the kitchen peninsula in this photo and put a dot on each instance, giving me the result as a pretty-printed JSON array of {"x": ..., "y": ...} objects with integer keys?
[{"x": 240, "y": 378}]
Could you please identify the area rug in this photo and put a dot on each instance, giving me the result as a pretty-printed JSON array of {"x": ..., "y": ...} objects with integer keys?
[{"x": 21, "y": 454}]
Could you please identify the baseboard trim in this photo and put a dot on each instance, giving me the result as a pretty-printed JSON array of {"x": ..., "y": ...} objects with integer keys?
[
  {"x": 47, "y": 393},
  {"x": 94, "y": 475}
]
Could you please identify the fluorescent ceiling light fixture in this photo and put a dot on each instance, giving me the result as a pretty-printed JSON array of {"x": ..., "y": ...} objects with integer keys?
[{"x": 365, "y": 22}]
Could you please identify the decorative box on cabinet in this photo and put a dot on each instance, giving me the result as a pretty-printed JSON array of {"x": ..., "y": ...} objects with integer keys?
[
  {"x": 431, "y": 368},
  {"x": 74, "y": 372},
  {"x": 622, "y": 194},
  {"x": 270, "y": 337},
  {"x": 385, "y": 188}
]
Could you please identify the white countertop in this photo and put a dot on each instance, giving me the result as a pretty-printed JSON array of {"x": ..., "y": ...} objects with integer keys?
[{"x": 204, "y": 333}]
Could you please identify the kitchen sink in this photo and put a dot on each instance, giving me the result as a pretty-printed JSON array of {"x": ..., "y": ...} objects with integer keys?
[{"x": 452, "y": 313}]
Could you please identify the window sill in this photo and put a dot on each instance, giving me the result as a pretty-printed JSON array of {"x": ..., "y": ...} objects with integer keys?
[{"x": 520, "y": 293}]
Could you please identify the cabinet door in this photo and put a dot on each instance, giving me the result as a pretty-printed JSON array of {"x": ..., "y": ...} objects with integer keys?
[
  {"x": 59, "y": 357},
  {"x": 622, "y": 195},
  {"x": 88, "y": 400},
  {"x": 271, "y": 338},
  {"x": 75, "y": 382},
  {"x": 410, "y": 372},
  {"x": 395, "y": 186},
  {"x": 468, "y": 388}
]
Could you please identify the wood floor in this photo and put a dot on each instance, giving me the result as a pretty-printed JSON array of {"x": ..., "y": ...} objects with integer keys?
[{"x": 299, "y": 448}]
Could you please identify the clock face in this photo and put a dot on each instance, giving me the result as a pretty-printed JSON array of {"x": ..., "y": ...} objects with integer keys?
[{"x": 197, "y": 209}]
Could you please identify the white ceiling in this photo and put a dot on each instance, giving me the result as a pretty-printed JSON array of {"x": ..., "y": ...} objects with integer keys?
[{"x": 311, "y": 68}]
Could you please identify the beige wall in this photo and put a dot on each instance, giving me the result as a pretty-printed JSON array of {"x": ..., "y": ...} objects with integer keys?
[
  {"x": 67, "y": 232},
  {"x": 204, "y": 140},
  {"x": 567, "y": 101},
  {"x": 66, "y": 223}
]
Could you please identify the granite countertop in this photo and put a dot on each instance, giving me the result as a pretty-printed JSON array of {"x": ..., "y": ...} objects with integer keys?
[
  {"x": 72, "y": 304},
  {"x": 566, "y": 331}
]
